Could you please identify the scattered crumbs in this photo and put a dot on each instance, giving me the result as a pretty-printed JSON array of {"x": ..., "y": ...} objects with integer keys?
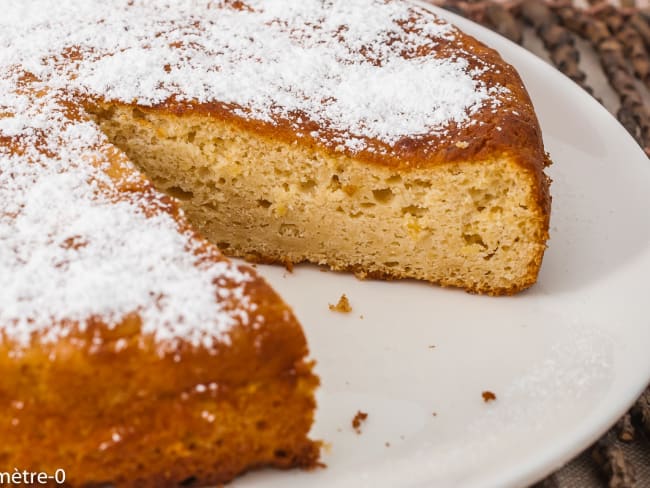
[
  {"x": 432, "y": 346},
  {"x": 338, "y": 429},
  {"x": 361, "y": 316},
  {"x": 488, "y": 396},
  {"x": 288, "y": 265},
  {"x": 462, "y": 144},
  {"x": 327, "y": 447},
  {"x": 358, "y": 419},
  {"x": 435, "y": 414},
  {"x": 387, "y": 444},
  {"x": 342, "y": 306},
  {"x": 402, "y": 437}
]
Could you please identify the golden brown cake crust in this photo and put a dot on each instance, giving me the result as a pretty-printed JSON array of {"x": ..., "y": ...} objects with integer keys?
[{"x": 520, "y": 132}]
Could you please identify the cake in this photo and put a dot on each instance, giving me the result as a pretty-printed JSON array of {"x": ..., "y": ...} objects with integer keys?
[
  {"x": 140, "y": 140},
  {"x": 132, "y": 352}
]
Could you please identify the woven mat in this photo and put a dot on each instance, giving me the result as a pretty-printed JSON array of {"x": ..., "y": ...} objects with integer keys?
[{"x": 621, "y": 464}]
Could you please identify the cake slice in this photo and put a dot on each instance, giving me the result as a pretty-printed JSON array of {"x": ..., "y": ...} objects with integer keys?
[
  {"x": 365, "y": 135},
  {"x": 362, "y": 135},
  {"x": 132, "y": 353}
]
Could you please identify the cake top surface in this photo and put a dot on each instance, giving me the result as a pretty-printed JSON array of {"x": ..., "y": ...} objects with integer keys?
[
  {"x": 342, "y": 71},
  {"x": 83, "y": 237}
]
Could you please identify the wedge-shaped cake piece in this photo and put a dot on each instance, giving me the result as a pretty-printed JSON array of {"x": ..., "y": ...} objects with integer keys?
[
  {"x": 131, "y": 351},
  {"x": 366, "y": 135}
]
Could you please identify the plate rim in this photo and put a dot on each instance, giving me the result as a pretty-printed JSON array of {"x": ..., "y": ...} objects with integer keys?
[{"x": 593, "y": 426}]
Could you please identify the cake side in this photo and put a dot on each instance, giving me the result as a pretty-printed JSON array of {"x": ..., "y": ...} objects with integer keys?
[
  {"x": 477, "y": 223},
  {"x": 119, "y": 413}
]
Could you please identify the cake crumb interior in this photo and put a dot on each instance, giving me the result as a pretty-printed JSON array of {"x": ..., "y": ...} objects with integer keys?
[{"x": 470, "y": 224}]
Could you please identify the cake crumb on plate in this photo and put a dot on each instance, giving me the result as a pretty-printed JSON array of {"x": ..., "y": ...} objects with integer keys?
[
  {"x": 358, "y": 419},
  {"x": 488, "y": 396},
  {"x": 342, "y": 306}
]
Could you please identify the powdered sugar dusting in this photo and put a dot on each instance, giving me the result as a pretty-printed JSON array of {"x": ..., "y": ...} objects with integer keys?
[
  {"x": 360, "y": 68},
  {"x": 72, "y": 247}
]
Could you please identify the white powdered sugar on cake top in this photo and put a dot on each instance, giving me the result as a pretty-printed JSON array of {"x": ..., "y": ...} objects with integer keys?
[
  {"x": 72, "y": 248},
  {"x": 353, "y": 67}
]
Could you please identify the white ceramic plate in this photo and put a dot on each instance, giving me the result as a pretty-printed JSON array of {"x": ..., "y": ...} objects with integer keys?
[{"x": 565, "y": 358}]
